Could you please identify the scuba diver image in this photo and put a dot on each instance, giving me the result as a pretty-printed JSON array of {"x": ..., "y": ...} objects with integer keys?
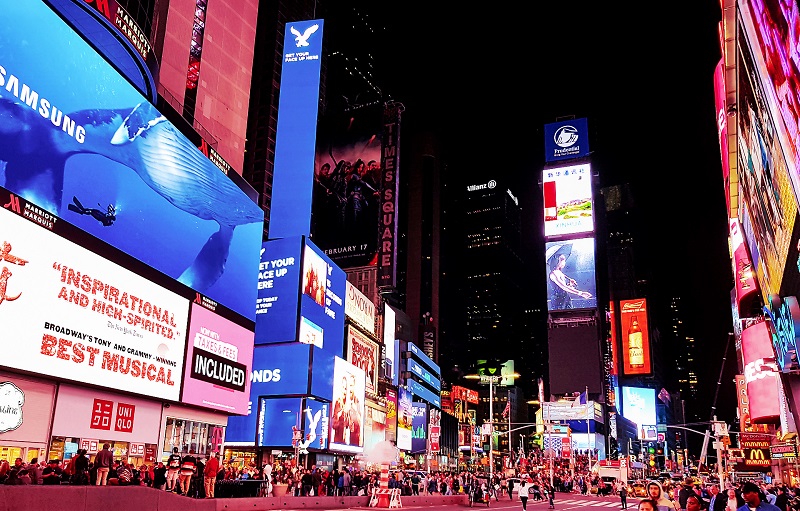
[{"x": 106, "y": 218}]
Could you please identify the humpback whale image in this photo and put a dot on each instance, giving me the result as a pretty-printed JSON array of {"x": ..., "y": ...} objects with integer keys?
[{"x": 34, "y": 153}]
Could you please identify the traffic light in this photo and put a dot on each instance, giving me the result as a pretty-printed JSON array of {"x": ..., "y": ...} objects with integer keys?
[
  {"x": 652, "y": 460},
  {"x": 651, "y": 450}
]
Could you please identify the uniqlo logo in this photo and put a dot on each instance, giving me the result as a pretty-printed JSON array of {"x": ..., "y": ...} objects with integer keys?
[
  {"x": 125, "y": 413},
  {"x": 101, "y": 414}
]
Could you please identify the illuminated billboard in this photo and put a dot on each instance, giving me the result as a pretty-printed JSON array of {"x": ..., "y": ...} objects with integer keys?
[
  {"x": 278, "y": 419},
  {"x": 761, "y": 375},
  {"x": 295, "y": 138},
  {"x": 570, "y": 270},
  {"x": 218, "y": 358},
  {"x": 507, "y": 372},
  {"x": 612, "y": 325},
  {"x": 405, "y": 416},
  {"x": 767, "y": 139},
  {"x": 390, "y": 361},
  {"x": 293, "y": 269},
  {"x": 347, "y": 183},
  {"x": 423, "y": 374},
  {"x": 99, "y": 155},
  {"x": 635, "y": 346},
  {"x": 391, "y": 415},
  {"x": 363, "y": 353},
  {"x": 566, "y": 139},
  {"x": 347, "y": 408},
  {"x": 70, "y": 313},
  {"x": 639, "y": 406},
  {"x": 359, "y": 308},
  {"x": 419, "y": 428},
  {"x": 568, "y": 205}
]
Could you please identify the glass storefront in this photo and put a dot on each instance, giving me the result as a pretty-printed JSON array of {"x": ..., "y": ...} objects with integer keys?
[{"x": 197, "y": 437}]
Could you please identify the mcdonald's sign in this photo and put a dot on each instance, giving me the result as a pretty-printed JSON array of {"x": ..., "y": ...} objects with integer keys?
[{"x": 755, "y": 460}]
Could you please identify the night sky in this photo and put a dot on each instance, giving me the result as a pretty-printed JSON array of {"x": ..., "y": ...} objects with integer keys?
[{"x": 489, "y": 80}]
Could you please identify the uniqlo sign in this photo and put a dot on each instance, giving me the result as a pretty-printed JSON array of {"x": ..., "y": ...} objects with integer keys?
[{"x": 103, "y": 416}]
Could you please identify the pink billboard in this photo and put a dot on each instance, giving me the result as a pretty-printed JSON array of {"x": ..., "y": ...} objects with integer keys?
[
  {"x": 761, "y": 375},
  {"x": 218, "y": 362},
  {"x": 743, "y": 272},
  {"x": 722, "y": 126}
]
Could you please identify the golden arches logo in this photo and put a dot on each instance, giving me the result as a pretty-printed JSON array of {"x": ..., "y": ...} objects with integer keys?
[{"x": 757, "y": 454}]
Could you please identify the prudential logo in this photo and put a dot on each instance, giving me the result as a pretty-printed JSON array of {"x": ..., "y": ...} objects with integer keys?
[{"x": 565, "y": 136}]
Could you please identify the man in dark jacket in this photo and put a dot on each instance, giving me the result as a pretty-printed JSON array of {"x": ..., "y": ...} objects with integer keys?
[{"x": 687, "y": 488}]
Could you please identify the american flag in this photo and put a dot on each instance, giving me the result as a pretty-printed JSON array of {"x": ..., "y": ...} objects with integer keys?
[{"x": 507, "y": 409}]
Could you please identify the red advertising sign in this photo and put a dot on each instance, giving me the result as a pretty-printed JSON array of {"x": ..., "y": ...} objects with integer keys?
[
  {"x": 743, "y": 271},
  {"x": 124, "y": 422},
  {"x": 635, "y": 337},
  {"x": 722, "y": 126},
  {"x": 464, "y": 394},
  {"x": 566, "y": 447},
  {"x": 101, "y": 414},
  {"x": 761, "y": 375},
  {"x": 742, "y": 402},
  {"x": 436, "y": 432}
]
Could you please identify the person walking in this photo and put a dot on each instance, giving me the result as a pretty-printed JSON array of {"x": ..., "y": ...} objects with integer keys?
[
  {"x": 103, "y": 461},
  {"x": 173, "y": 469},
  {"x": 210, "y": 474},
  {"x": 524, "y": 486},
  {"x": 188, "y": 467}
]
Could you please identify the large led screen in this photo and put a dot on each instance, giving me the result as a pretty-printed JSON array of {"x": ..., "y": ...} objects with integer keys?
[
  {"x": 292, "y": 270},
  {"x": 315, "y": 425},
  {"x": 278, "y": 370},
  {"x": 391, "y": 371},
  {"x": 767, "y": 160},
  {"x": 405, "y": 416},
  {"x": 218, "y": 361},
  {"x": 761, "y": 375},
  {"x": 635, "y": 337},
  {"x": 639, "y": 406},
  {"x": 419, "y": 428},
  {"x": 347, "y": 181},
  {"x": 570, "y": 271},
  {"x": 82, "y": 143},
  {"x": 278, "y": 419},
  {"x": 347, "y": 408},
  {"x": 576, "y": 372},
  {"x": 568, "y": 200},
  {"x": 69, "y": 313},
  {"x": 293, "y": 181}
]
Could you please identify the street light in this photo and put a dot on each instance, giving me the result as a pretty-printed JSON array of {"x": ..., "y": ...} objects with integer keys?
[{"x": 491, "y": 379}]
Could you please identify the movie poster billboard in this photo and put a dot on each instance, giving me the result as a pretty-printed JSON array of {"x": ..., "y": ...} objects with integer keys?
[
  {"x": 405, "y": 416},
  {"x": 635, "y": 349},
  {"x": 219, "y": 357},
  {"x": 570, "y": 271},
  {"x": 363, "y": 353},
  {"x": 359, "y": 308},
  {"x": 103, "y": 158},
  {"x": 347, "y": 180},
  {"x": 347, "y": 409},
  {"x": 568, "y": 205},
  {"x": 70, "y": 313}
]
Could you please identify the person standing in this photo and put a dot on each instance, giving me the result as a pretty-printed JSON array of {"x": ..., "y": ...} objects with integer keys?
[
  {"x": 188, "y": 466},
  {"x": 752, "y": 497},
  {"x": 173, "y": 469},
  {"x": 210, "y": 474},
  {"x": 160, "y": 476},
  {"x": 103, "y": 461},
  {"x": 52, "y": 473},
  {"x": 623, "y": 494},
  {"x": 524, "y": 486}
]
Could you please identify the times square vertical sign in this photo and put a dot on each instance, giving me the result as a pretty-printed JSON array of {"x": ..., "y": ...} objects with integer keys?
[{"x": 390, "y": 159}]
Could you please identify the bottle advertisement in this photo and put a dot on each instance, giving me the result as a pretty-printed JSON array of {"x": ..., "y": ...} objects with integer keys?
[{"x": 635, "y": 338}]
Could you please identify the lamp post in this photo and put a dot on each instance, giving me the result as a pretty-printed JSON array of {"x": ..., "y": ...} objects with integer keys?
[{"x": 484, "y": 378}]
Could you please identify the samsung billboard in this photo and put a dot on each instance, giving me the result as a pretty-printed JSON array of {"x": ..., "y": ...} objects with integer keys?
[{"x": 99, "y": 155}]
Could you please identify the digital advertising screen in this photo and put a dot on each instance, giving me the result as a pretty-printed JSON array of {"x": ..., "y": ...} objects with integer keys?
[
  {"x": 100, "y": 156},
  {"x": 347, "y": 408},
  {"x": 390, "y": 361},
  {"x": 219, "y": 357},
  {"x": 374, "y": 428},
  {"x": 507, "y": 372},
  {"x": 347, "y": 184},
  {"x": 635, "y": 337},
  {"x": 278, "y": 419},
  {"x": 391, "y": 415},
  {"x": 566, "y": 139},
  {"x": 639, "y": 406},
  {"x": 280, "y": 369},
  {"x": 278, "y": 285},
  {"x": 322, "y": 301},
  {"x": 363, "y": 353},
  {"x": 295, "y": 140},
  {"x": 568, "y": 205},
  {"x": 563, "y": 345},
  {"x": 570, "y": 267},
  {"x": 424, "y": 393},
  {"x": 322, "y": 365},
  {"x": 315, "y": 425},
  {"x": 423, "y": 374},
  {"x": 761, "y": 374},
  {"x": 359, "y": 308},
  {"x": 425, "y": 360},
  {"x": 70, "y": 313},
  {"x": 405, "y": 416},
  {"x": 419, "y": 428}
]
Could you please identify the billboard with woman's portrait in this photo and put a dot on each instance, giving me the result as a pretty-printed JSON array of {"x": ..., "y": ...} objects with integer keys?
[{"x": 570, "y": 268}]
